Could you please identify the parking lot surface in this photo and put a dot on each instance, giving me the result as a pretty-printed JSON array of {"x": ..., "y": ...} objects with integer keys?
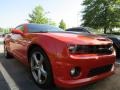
[{"x": 15, "y": 76}]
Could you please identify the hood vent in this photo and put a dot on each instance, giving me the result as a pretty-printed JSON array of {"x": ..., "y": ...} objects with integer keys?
[{"x": 102, "y": 39}]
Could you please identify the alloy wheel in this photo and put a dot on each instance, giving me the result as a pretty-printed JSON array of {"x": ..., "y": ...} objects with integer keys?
[{"x": 37, "y": 68}]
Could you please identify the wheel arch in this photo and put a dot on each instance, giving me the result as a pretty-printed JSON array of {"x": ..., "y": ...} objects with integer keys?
[
  {"x": 50, "y": 64},
  {"x": 32, "y": 46}
]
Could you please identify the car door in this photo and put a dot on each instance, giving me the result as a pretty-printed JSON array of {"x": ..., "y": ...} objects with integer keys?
[
  {"x": 14, "y": 44},
  {"x": 20, "y": 45}
]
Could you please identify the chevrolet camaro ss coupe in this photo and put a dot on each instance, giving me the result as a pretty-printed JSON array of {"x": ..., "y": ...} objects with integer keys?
[{"x": 61, "y": 58}]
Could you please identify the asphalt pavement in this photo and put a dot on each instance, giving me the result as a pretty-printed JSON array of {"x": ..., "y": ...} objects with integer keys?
[{"x": 15, "y": 76}]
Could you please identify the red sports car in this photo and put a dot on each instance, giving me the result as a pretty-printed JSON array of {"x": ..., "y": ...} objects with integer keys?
[{"x": 67, "y": 59}]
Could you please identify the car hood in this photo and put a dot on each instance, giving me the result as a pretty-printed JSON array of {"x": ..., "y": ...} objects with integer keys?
[{"x": 81, "y": 38}]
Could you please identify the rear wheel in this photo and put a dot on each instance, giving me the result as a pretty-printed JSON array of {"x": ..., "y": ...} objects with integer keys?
[{"x": 40, "y": 68}]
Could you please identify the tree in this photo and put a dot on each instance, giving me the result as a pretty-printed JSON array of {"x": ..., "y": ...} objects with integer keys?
[
  {"x": 62, "y": 25},
  {"x": 101, "y": 14},
  {"x": 38, "y": 16},
  {"x": 1, "y": 29}
]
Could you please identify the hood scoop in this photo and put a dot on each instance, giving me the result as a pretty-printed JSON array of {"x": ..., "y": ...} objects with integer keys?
[{"x": 102, "y": 39}]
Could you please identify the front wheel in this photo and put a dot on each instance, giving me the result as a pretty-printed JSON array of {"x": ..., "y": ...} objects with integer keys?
[{"x": 40, "y": 68}]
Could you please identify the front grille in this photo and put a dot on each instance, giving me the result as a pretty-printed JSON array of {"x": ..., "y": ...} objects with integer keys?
[
  {"x": 102, "y": 49},
  {"x": 100, "y": 70},
  {"x": 96, "y": 49}
]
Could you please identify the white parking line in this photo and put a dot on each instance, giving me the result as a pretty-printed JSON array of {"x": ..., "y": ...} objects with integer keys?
[
  {"x": 1, "y": 48},
  {"x": 8, "y": 78}
]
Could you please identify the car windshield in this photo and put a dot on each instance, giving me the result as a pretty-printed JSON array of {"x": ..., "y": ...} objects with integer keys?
[{"x": 35, "y": 28}]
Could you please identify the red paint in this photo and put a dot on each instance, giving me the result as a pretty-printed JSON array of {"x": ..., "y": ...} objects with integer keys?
[{"x": 55, "y": 46}]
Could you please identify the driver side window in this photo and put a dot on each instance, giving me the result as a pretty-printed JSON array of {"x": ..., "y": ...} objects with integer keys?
[{"x": 20, "y": 28}]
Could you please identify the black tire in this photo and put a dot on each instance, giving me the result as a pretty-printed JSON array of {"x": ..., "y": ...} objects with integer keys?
[
  {"x": 6, "y": 53},
  {"x": 46, "y": 65}
]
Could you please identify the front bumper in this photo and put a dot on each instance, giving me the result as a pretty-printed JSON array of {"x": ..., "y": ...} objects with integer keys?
[
  {"x": 62, "y": 69},
  {"x": 81, "y": 82}
]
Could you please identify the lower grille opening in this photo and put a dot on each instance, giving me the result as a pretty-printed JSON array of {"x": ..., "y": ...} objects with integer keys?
[{"x": 100, "y": 70}]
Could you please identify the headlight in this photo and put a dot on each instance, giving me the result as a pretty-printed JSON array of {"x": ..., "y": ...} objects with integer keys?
[
  {"x": 72, "y": 48},
  {"x": 78, "y": 49}
]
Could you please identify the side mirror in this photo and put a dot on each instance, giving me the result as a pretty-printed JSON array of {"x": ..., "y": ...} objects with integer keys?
[{"x": 17, "y": 31}]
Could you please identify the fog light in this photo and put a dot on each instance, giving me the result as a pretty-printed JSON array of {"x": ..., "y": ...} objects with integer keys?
[{"x": 74, "y": 72}]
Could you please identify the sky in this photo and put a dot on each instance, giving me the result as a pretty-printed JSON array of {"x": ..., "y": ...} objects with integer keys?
[{"x": 15, "y": 12}]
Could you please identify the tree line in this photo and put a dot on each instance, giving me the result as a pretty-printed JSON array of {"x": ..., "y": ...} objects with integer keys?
[
  {"x": 97, "y": 14},
  {"x": 38, "y": 16},
  {"x": 101, "y": 14}
]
